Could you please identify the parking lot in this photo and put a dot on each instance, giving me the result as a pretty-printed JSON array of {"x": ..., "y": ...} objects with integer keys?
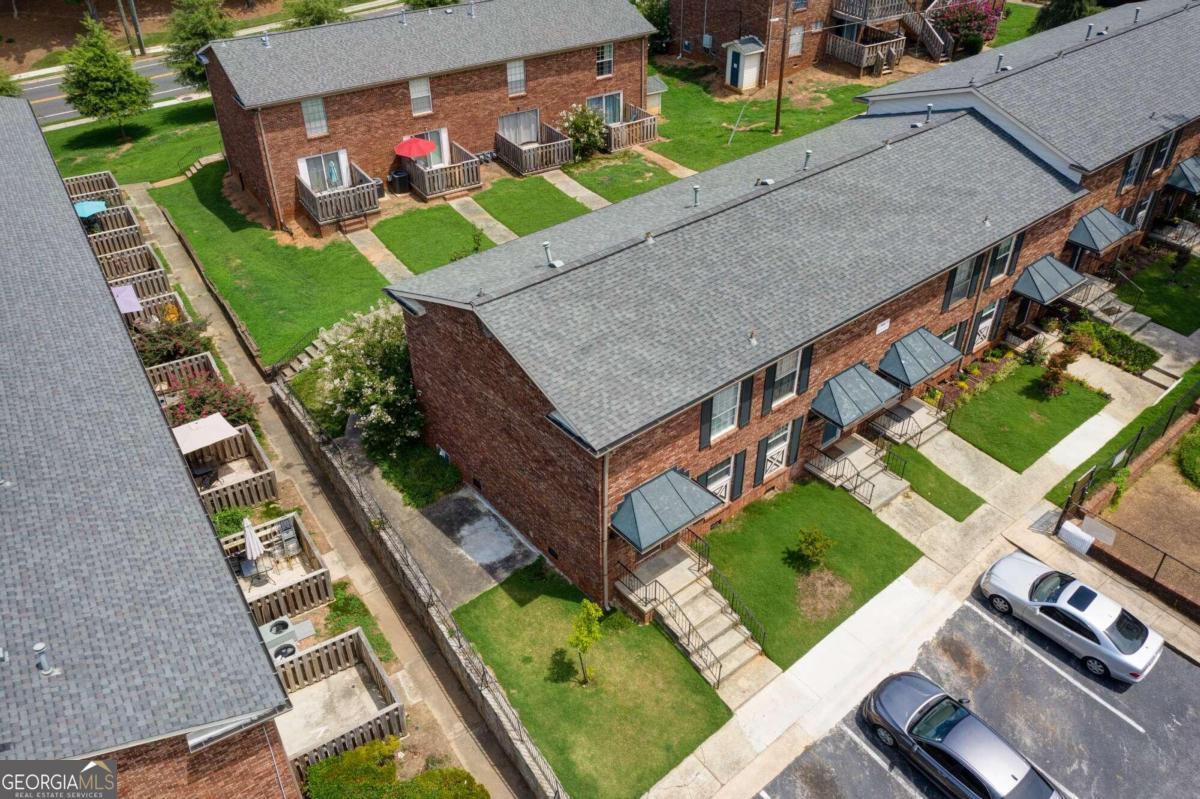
[{"x": 1095, "y": 738}]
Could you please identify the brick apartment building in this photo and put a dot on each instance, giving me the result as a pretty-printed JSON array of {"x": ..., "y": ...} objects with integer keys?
[
  {"x": 108, "y": 559},
  {"x": 740, "y": 333},
  {"x": 310, "y": 118}
]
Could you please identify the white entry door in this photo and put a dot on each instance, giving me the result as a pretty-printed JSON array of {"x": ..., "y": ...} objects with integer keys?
[{"x": 750, "y": 68}]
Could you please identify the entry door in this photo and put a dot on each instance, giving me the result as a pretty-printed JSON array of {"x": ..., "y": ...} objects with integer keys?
[
  {"x": 735, "y": 69},
  {"x": 438, "y": 156},
  {"x": 750, "y": 76},
  {"x": 983, "y": 330},
  {"x": 830, "y": 434},
  {"x": 607, "y": 106},
  {"x": 521, "y": 127}
]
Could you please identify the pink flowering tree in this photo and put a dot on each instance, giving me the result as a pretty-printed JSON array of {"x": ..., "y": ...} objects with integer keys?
[
  {"x": 196, "y": 397},
  {"x": 969, "y": 18}
]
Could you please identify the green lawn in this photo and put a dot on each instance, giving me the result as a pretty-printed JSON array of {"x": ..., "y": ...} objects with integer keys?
[
  {"x": 426, "y": 238},
  {"x": 698, "y": 126},
  {"x": 752, "y": 550},
  {"x": 283, "y": 294},
  {"x": 619, "y": 177},
  {"x": 1016, "y": 25},
  {"x": 348, "y": 611},
  {"x": 1187, "y": 390},
  {"x": 52, "y": 58},
  {"x": 942, "y": 490},
  {"x": 162, "y": 143},
  {"x": 1172, "y": 300},
  {"x": 420, "y": 474},
  {"x": 1016, "y": 425},
  {"x": 526, "y": 205},
  {"x": 647, "y": 709}
]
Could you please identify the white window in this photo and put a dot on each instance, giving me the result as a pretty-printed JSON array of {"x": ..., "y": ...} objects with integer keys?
[
  {"x": 1141, "y": 211},
  {"x": 786, "y": 369},
  {"x": 818, "y": 26},
  {"x": 796, "y": 40},
  {"x": 777, "y": 444},
  {"x": 604, "y": 60},
  {"x": 516, "y": 77},
  {"x": 324, "y": 172},
  {"x": 609, "y": 106},
  {"x": 950, "y": 336},
  {"x": 313, "y": 110},
  {"x": 719, "y": 477},
  {"x": 1132, "y": 168},
  {"x": 724, "y": 411},
  {"x": 962, "y": 282},
  {"x": 1001, "y": 255},
  {"x": 1162, "y": 149},
  {"x": 422, "y": 100}
]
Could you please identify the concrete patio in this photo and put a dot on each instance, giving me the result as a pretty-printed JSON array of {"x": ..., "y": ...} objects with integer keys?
[{"x": 328, "y": 708}]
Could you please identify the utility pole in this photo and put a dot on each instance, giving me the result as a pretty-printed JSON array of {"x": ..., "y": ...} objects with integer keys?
[
  {"x": 784, "y": 43},
  {"x": 137, "y": 27},
  {"x": 125, "y": 26}
]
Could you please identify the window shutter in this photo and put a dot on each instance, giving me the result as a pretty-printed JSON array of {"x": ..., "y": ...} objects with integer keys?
[
  {"x": 739, "y": 473},
  {"x": 805, "y": 363},
  {"x": 998, "y": 321},
  {"x": 976, "y": 269},
  {"x": 706, "y": 423},
  {"x": 949, "y": 287},
  {"x": 760, "y": 461},
  {"x": 745, "y": 398},
  {"x": 1016, "y": 253},
  {"x": 702, "y": 479},
  {"x": 960, "y": 336},
  {"x": 768, "y": 390},
  {"x": 794, "y": 440}
]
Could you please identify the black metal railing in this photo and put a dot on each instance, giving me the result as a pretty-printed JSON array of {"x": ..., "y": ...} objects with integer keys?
[
  {"x": 834, "y": 471},
  {"x": 724, "y": 587},
  {"x": 698, "y": 548}
]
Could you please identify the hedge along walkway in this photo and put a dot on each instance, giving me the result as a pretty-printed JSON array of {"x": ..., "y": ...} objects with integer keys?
[
  {"x": 424, "y": 675},
  {"x": 527, "y": 205},
  {"x": 283, "y": 294}
]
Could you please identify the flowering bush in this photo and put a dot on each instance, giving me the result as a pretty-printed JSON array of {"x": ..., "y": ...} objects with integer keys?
[
  {"x": 169, "y": 341},
  {"x": 585, "y": 128},
  {"x": 368, "y": 375},
  {"x": 969, "y": 18},
  {"x": 201, "y": 396}
]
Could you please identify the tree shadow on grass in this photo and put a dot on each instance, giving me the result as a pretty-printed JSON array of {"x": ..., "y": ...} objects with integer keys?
[
  {"x": 538, "y": 580},
  {"x": 562, "y": 668},
  {"x": 108, "y": 135}
]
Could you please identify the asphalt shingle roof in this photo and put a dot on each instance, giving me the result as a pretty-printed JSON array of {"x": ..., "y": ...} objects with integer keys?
[
  {"x": 643, "y": 330},
  {"x": 105, "y": 552},
  {"x": 1096, "y": 100},
  {"x": 350, "y": 55}
]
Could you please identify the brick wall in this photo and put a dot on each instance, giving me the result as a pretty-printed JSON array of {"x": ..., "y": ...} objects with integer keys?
[
  {"x": 482, "y": 409},
  {"x": 368, "y": 123},
  {"x": 727, "y": 20},
  {"x": 239, "y": 135},
  {"x": 248, "y": 765}
]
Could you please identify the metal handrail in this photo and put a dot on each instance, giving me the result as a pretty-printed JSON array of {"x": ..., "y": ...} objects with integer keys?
[
  {"x": 832, "y": 470},
  {"x": 698, "y": 547},
  {"x": 745, "y": 615},
  {"x": 1141, "y": 292}
]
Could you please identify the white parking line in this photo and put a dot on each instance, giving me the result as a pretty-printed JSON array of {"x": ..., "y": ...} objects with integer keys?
[
  {"x": 866, "y": 747},
  {"x": 984, "y": 615},
  {"x": 764, "y": 795}
]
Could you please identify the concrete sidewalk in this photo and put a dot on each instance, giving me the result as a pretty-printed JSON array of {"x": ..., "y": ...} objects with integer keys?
[{"x": 575, "y": 190}]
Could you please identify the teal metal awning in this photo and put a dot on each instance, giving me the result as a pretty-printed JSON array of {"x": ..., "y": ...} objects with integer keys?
[
  {"x": 1099, "y": 229},
  {"x": 1047, "y": 279},
  {"x": 661, "y": 507},
  {"x": 850, "y": 396},
  {"x": 917, "y": 356},
  {"x": 1187, "y": 175}
]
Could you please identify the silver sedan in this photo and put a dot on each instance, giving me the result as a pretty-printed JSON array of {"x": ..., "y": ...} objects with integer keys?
[{"x": 1109, "y": 639}]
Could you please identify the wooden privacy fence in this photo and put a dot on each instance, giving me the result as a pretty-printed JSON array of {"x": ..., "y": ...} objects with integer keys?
[
  {"x": 94, "y": 186},
  {"x": 123, "y": 263},
  {"x": 297, "y": 596},
  {"x": 638, "y": 127},
  {"x": 165, "y": 376},
  {"x": 158, "y": 308},
  {"x": 260, "y": 485},
  {"x": 107, "y": 242},
  {"x": 113, "y": 219},
  {"x": 552, "y": 149},
  {"x": 317, "y": 663},
  {"x": 865, "y": 55},
  {"x": 146, "y": 285},
  {"x": 461, "y": 173},
  {"x": 359, "y": 198}
]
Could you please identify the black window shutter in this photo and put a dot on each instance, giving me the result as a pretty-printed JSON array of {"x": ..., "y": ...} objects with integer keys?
[
  {"x": 705, "y": 423},
  {"x": 745, "y": 397},
  {"x": 760, "y": 461},
  {"x": 702, "y": 479},
  {"x": 805, "y": 363},
  {"x": 949, "y": 287},
  {"x": 998, "y": 321},
  {"x": 794, "y": 440},
  {"x": 976, "y": 269},
  {"x": 739, "y": 472},
  {"x": 768, "y": 390},
  {"x": 1016, "y": 252},
  {"x": 961, "y": 335}
]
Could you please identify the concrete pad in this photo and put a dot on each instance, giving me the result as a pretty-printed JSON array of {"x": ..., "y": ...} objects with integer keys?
[
  {"x": 1084, "y": 440},
  {"x": 1132, "y": 322},
  {"x": 689, "y": 780},
  {"x": 379, "y": 255},
  {"x": 675, "y": 169},
  {"x": 747, "y": 681},
  {"x": 973, "y": 468},
  {"x": 1179, "y": 352},
  {"x": 726, "y": 752},
  {"x": 327, "y": 709},
  {"x": 1130, "y": 393},
  {"x": 911, "y": 515},
  {"x": 766, "y": 715},
  {"x": 477, "y": 216},
  {"x": 575, "y": 190}
]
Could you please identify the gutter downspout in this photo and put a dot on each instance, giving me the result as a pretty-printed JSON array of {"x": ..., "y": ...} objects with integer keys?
[
  {"x": 604, "y": 530},
  {"x": 262, "y": 147}
]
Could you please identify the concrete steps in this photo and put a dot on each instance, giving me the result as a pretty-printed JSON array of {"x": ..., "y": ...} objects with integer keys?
[{"x": 326, "y": 338}]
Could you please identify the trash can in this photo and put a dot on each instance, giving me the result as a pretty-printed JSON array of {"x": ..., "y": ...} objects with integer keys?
[{"x": 398, "y": 181}]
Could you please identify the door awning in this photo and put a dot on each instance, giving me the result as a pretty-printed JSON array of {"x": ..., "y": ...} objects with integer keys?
[
  {"x": 852, "y": 395},
  {"x": 1099, "y": 229},
  {"x": 917, "y": 356},
  {"x": 1047, "y": 279},
  {"x": 1187, "y": 175},
  {"x": 747, "y": 45},
  {"x": 661, "y": 507}
]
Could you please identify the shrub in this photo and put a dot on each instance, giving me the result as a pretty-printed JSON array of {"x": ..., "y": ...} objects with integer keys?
[
  {"x": 933, "y": 395},
  {"x": 972, "y": 44},
  {"x": 585, "y": 128},
  {"x": 1120, "y": 484},
  {"x": 193, "y": 24},
  {"x": 420, "y": 474},
  {"x": 365, "y": 772},
  {"x": 8, "y": 86},
  {"x": 1060, "y": 12},
  {"x": 442, "y": 783},
  {"x": 307, "y": 13},
  {"x": 968, "y": 19},
  {"x": 812, "y": 545},
  {"x": 100, "y": 80},
  {"x": 201, "y": 396},
  {"x": 1053, "y": 380},
  {"x": 1035, "y": 355},
  {"x": 1182, "y": 258},
  {"x": 1187, "y": 456},
  {"x": 169, "y": 341},
  {"x": 1111, "y": 345},
  {"x": 229, "y": 521}
]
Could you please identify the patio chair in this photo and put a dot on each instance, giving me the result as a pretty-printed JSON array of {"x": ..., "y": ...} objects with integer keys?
[
  {"x": 257, "y": 568},
  {"x": 204, "y": 475}
]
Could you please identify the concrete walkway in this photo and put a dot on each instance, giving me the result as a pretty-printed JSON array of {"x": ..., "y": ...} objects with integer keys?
[
  {"x": 1179, "y": 352},
  {"x": 379, "y": 255},
  {"x": 674, "y": 168},
  {"x": 477, "y": 216},
  {"x": 575, "y": 190},
  {"x": 424, "y": 675}
]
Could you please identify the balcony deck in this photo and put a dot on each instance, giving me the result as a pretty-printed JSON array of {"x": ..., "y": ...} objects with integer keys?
[
  {"x": 358, "y": 199},
  {"x": 461, "y": 174},
  {"x": 880, "y": 51},
  {"x": 637, "y": 126},
  {"x": 550, "y": 151},
  {"x": 296, "y": 578},
  {"x": 871, "y": 10}
]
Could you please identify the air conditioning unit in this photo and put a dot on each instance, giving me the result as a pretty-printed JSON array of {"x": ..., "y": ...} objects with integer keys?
[
  {"x": 277, "y": 632},
  {"x": 284, "y": 651}
]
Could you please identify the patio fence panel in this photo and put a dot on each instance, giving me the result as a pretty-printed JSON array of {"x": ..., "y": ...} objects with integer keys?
[
  {"x": 122, "y": 263},
  {"x": 164, "y": 375},
  {"x": 289, "y": 599},
  {"x": 107, "y": 242},
  {"x": 146, "y": 284}
]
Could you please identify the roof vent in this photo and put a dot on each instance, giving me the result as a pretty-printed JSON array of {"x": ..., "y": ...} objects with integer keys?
[
  {"x": 471, "y": 10},
  {"x": 649, "y": 237},
  {"x": 1103, "y": 32},
  {"x": 266, "y": 40},
  {"x": 550, "y": 262},
  {"x": 753, "y": 337},
  {"x": 404, "y": 16},
  {"x": 1088, "y": 35},
  {"x": 807, "y": 159},
  {"x": 999, "y": 61},
  {"x": 696, "y": 196},
  {"x": 449, "y": 10},
  {"x": 765, "y": 182},
  {"x": 43, "y": 661},
  {"x": 1137, "y": 12}
]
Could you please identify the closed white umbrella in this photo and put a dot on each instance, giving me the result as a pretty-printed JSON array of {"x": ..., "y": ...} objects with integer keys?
[{"x": 254, "y": 547}]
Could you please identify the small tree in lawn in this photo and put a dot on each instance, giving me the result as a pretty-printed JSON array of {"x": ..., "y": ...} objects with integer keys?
[
  {"x": 307, "y": 13},
  {"x": 100, "y": 81},
  {"x": 969, "y": 19},
  {"x": 1060, "y": 12},
  {"x": 585, "y": 128},
  {"x": 8, "y": 86},
  {"x": 585, "y": 632},
  {"x": 193, "y": 24}
]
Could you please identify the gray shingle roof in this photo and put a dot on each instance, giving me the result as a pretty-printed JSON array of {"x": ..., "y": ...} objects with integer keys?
[
  {"x": 367, "y": 52},
  {"x": 644, "y": 330},
  {"x": 655, "y": 84},
  {"x": 661, "y": 507},
  {"x": 1099, "y": 229},
  {"x": 106, "y": 554},
  {"x": 1095, "y": 100},
  {"x": 1046, "y": 279},
  {"x": 916, "y": 356}
]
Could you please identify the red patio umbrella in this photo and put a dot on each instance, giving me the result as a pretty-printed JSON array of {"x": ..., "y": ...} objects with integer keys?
[{"x": 415, "y": 148}]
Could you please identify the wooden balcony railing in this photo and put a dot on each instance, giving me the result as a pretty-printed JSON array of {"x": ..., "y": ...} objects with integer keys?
[
  {"x": 361, "y": 197},
  {"x": 865, "y": 55},
  {"x": 461, "y": 173},
  {"x": 165, "y": 375},
  {"x": 637, "y": 126},
  {"x": 158, "y": 308},
  {"x": 146, "y": 284},
  {"x": 123, "y": 263},
  {"x": 108, "y": 242},
  {"x": 869, "y": 10},
  {"x": 295, "y": 596},
  {"x": 552, "y": 149},
  {"x": 96, "y": 186},
  {"x": 260, "y": 485}
]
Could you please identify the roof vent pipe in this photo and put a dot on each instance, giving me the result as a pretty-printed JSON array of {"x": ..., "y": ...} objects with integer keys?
[
  {"x": 929, "y": 111},
  {"x": 471, "y": 10},
  {"x": 807, "y": 158},
  {"x": 999, "y": 61},
  {"x": 266, "y": 40},
  {"x": 549, "y": 259},
  {"x": 1137, "y": 12},
  {"x": 1088, "y": 35},
  {"x": 696, "y": 196},
  {"x": 404, "y": 16},
  {"x": 42, "y": 660}
]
